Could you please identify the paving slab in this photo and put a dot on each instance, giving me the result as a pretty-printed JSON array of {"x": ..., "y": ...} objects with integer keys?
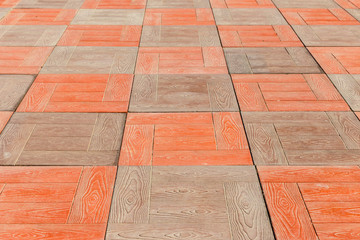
[
  {"x": 109, "y": 17},
  {"x": 178, "y": 4},
  {"x": 65, "y": 4}
]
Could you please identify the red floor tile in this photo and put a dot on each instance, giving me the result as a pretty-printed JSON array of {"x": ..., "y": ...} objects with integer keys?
[
  {"x": 181, "y": 60},
  {"x": 338, "y": 60},
  {"x": 114, "y": 4},
  {"x": 115, "y": 36},
  {"x": 78, "y": 93},
  {"x": 39, "y": 17},
  {"x": 196, "y": 16},
  {"x": 184, "y": 139},
  {"x": 335, "y": 16},
  {"x": 280, "y": 92},
  {"x": 258, "y": 36},
  {"x": 23, "y": 60},
  {"x": 241, "y": 4},
  {"x": 4, "y": 118}
]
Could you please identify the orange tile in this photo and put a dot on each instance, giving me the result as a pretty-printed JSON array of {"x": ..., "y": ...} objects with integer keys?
[
  {"x": 8, "y": 3},
  {"x": 198, "y": 16},
  {"x": 309, "y": 174},
  {"x": 334, "y": 16},
  {"x": 358, "y": 115},
  {"x": 287, "y": 92},
  {"x": 258, "y": 36},
  {"x": 336, "y": 212},
  {"x": 338, "y": 60},
  {"x": 242, "y": 4},
  {"x": 184, "y": 143},
  {"x": 39, "y": 17},
  {"x": 4, "y": 118},
  {"x": 78, "y": 93},
  {"x": 349, "y": 4},
  {"x": 116, "y": 36},
  {"x": 181, "y": 60},
  {"x": 23, "y": 60},
  {"x": 330, "y": 192},
  {"x": 337, "y": 231},
  {"x": 114, "y": 4},
  {"x": 168, "y": 118}
]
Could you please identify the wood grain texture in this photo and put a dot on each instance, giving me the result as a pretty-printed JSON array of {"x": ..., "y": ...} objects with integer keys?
[
  {"x": 130, "y": 203},
  {"x": 330, "y": 192},
  {"x": 336, "y": 231},
  {"x": 336, "y": 212},
  {"x": 288, "y": 213},
  {"x": 349, "y": 87},
  {"x": 4, "y": 118},
  {"x": 247, "y": 212},
  {"x": 93, "y": 197}
]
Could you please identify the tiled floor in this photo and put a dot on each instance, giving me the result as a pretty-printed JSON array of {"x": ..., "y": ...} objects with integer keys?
[{"x": 180, "y": 119}]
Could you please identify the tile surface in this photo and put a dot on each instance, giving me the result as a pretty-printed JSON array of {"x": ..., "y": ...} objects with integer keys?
[
  {"x": 113, "y": 4},
  {"x": 178, "y": 4},
  {"x": 349, "y": 87},
  {"x": 65, "y": 4},
  {"x": 241, "y": 4},
  {"x": 109, "y": 17}
]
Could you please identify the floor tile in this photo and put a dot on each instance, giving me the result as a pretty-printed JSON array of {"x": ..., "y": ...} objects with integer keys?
[
  {"x": 355, "y": 13},
  {"x": 282, "y": 92},
  {"x": 248, "y": 16},
  {"x": 113, "y": 4},
  {"x": 323, "y": 36},
  {"x": 8, "y": 3},
  {"x": 300, "y": 138},
  {"x": 241, "y": 4},
  {"x": 109, "y": 17},
  {"x": 258, "y": 36},
  {"x": 4, "y": 118},
  {"x": 181, "y": 60},
  {"x": 309, "y": 199},
  {"x": 179, "y": 36},
  {"x": 337, "y": 60},
  {"x": 39, "y": 17},
  {"x": 59, "y": 200},
  {"x": 184, "y": 139},
  {"x": 202, "y": 202},
  {"x": 349, "y": 87},
  {"x": 35, "y": 36},
  {"x": 62, "y": 139},
  {"x": 178, "y": 4},
  {"x": 306, "y": 4},
  {"x": 94, "y": 60},
  {"x": 101, "y": 36},
  {"x": 177, "y": 16},
  {"x": 23, "y": 60},
  {"x": 324, "y": 16},
  {"x": 177, "y": 93},
  {"x": 13, "y": 89},
  {"x": 349, "y": 4},
  {"x": 78, "y": 93},
  {"x": 270, "y": 60},
  {"x": 65, "y": 4}
]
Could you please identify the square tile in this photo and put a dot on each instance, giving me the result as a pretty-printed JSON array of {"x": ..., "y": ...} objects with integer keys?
[
  {"x": 285, "y": 92},
  {"x": 109, "y": 17},
  {"x": 101, "y": 36},
  {"x": 306, "y": 4},
  {"x": 178, "y": 4},
  {"x": 177, "y": 16},
  {"x": 174, "y": 93},
  {"x": 248, "y": 16},
  {"x": 241, "y": 4},
  {"x": 322, "y": 36},
  {"x": 65, "y": 4},
  {"x": 4, "y": 118},
  {"x": 179, "y": 36},
  {"x": 66, "y": 202},
  {"x": 78, "y": 93},
  {"x": 270, "y": 60},
  {"x": 34, "y": 36},
  {"x": 322, "y": 199},
  {"x": 114, "y": 4},
  {"x": 39, "y": 17},
  {"x": 258, "y": 36},
  {"x": 325, "y": 16},
  {"x": 303, "y": 138},
  {"x": 94, "y": 60},
  {"x": 23, "y": 60},
  {"x": 201, "y": 202},
  {"x": 337, "y": 60},
  {"x": 13, "y": 89},
  {"x": 181, "y": 60},
  {"x": 184, "y": 139},
  {"x": 349, "y": 87},
  {"x": 62, "y": 139}
]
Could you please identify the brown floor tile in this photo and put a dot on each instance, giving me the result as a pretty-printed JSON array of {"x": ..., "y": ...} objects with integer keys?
[
  {"x": 306, "y": 4},
  {"x": 65, "y": 4},
  {"x": 270, "y": 60},
  {"x": 109, "y": 17},
  {"x": 174, "y": 93},
  {"x": 13, "y": 89},
  {"x": 61, "y": 139},
  {"x": 4, "y": 118},
  {"x": 201, "y": 202},
  {"x": 349, "y": 87},
  {"x": 301, "y": 138}
]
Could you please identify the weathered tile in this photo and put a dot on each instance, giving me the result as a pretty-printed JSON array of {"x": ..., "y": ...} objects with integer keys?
[
  {"x": 305, "y": 4},
  {"x": 4, "y": 118},
  {"x": 109, "y": 17},
  {"x": 65, "y": 4},
  {"x": 114, "y": 4},
  {"x": 270, "y": 60},
  {"x": 176, "y": 93},
  {"x": 178, "y": 4},
  {"x": 349, "y": 87},
  {"x": 241, "y": 4},
  {"x": 94, "y": 60}
]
